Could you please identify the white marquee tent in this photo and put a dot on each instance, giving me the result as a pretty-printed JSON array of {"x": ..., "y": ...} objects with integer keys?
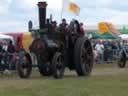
[
  {"x": 124, "y": 36},
  {"x": 5, "y": 38}
]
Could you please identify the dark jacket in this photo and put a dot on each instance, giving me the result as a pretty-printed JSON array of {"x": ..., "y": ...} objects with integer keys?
[{"x": 11, "y": 48}]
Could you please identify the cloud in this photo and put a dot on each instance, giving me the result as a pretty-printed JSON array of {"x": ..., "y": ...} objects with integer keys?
[
  {"x": 93, "y": 4},
  {"x": 120, "y": 5},
  {"x": 13, "y": 26},
  {"x": 30, "y": 5},
  {"x": 22, "y": 6},
  {"x": 94, "y": 16},
  {"x": 113, "y": 4},
  {"x": 15, "y": 14},
  {"x": 4, "y": 4},
  {"x": 120, "y": 19},
  {"x": 55, "y": 4}
]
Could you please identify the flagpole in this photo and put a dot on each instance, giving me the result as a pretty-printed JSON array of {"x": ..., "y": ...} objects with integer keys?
[{"x": 62, "y": 9}]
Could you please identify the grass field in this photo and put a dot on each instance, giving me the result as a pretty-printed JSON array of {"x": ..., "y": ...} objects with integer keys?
[{"x": 105, "y": 80}]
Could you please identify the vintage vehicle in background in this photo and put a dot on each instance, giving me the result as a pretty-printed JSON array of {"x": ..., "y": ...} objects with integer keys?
[
  {"x": 57, "y": 49},
  {"x": 122, "y": 58},
  {"x": 123, "y": 54}
]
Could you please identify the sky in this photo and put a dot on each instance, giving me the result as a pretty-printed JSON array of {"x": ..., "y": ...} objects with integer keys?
[{"x": 15, "y": 14}]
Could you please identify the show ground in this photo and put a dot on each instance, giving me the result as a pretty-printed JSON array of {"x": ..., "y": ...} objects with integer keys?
[{"x": 105, "y": 80}]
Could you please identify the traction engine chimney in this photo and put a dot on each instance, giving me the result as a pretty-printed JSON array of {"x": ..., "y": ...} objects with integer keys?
[{"x": 42, "y": 14}]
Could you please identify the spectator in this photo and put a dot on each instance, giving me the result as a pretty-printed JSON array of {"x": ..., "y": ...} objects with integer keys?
[
  {"x": 95, "y": 55},
  {"x": 1, "y": 57},
  {"x": 1, "y": 49},
  {"x": 114, "y": 48},
  {"x": 110, "y": 52},
  {"x": 54, "y": 25},
  {"x": 8, "y": 56},
  {"x": 63, "y": 25},
  {"x": 11, "y": 48},
  {"x": 106, "y": 51},
  {"x": 100, "y": 49},
  {"x": 5, "y": 46},
  {"x": 82, "y": 29}
]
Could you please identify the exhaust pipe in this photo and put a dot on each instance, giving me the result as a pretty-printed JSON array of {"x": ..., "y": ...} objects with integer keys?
[{"x": 42, "y": 14}]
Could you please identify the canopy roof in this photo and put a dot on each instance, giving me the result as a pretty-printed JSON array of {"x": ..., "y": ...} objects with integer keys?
[
  {"x": 123, "y": 36},
  {"x": 6, "y": 38},
  {"x": 94, "y": 35},
  {"x": 2, "y": 36},
  {"x": 106, "y": 35}
]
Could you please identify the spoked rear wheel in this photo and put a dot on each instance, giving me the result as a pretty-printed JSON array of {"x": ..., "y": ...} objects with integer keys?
[
  {"x": 58, "y": 65},
  {"x": 83, "y": 57}
]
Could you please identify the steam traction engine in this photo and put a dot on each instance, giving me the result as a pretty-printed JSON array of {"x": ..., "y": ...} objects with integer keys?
[{"x": 57, "y": 49}]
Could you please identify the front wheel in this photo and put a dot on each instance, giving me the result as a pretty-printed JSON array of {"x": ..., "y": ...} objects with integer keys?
[
  {"x": 58, "y": 65},
  {"x": 24, "y": 67}
]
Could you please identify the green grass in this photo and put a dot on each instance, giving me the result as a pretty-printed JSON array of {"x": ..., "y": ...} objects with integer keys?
[
  {"x": 105, "y": 84},
  {"x": 103, "y": 65}
]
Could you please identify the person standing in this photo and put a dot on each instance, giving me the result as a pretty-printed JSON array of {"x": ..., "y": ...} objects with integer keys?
[
  {"x": 1, "y": 58},
  {"x": 10, "y": 52},
  {"x": 100, "y": 50},
  {"x": 82, "y": 31},
  {"x": 63, "y": 25},
  {"x": 11, "y": 47}
]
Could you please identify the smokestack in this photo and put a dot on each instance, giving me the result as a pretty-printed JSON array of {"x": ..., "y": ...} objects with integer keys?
[
  {"x": 30, "y": 25},
  {"x": 42, "y": 14}
]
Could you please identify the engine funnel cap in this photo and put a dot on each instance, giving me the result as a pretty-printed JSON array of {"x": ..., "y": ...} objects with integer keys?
[{"x": 42, "y": 4}]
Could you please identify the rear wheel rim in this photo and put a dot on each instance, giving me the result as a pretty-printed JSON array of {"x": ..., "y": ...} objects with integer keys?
[{"x": 86, "y": 56}]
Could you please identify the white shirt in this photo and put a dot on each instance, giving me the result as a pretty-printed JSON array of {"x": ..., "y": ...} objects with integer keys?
[
  {"x": 99, "y": 48},
  {"x": 5, "y": 47}
]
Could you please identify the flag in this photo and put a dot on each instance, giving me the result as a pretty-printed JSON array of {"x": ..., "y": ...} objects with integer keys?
[
  {"x": 72, "y": 7},
  {"x": 68, "y": 6}
]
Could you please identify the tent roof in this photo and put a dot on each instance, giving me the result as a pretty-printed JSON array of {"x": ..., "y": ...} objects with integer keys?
[
  {"x": 124, "y": 36},
  {"x": 2, "y": 36},
  {"x": 94, "y": 35},
  {"x": 105, "y": 35},
  {"x": 108, "y": 35}
]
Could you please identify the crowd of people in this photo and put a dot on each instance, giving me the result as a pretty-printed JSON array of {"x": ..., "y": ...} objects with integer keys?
[
  {"x": 7, "y": 51},
  {"x": 105, "y": 51}
]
